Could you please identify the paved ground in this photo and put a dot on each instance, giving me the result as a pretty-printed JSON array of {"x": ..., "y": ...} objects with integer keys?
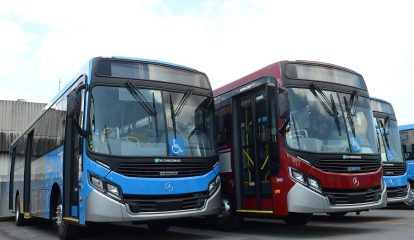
[{"x": 390, "y": 224}]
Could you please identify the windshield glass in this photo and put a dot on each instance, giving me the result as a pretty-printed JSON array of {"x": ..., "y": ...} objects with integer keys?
[
  {"x": 190, "y": 128},
  {"x": 407, "y": 143},
  {"x": 130, "y": 121},
  {"x": 389, "y": 137},
  {"x": 319, "y": 123}
]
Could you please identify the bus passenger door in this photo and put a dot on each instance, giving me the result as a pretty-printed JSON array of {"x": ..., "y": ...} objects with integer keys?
[
  {"x": 254, "y": 145},
  {"x": 72, "y": 156}
]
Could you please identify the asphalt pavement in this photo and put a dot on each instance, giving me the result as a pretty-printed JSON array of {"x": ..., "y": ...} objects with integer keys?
[{"x": 390, "y": 224}]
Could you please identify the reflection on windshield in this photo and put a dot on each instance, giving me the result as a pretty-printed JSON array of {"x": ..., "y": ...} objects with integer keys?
[
  {"x": 389, "y": 137},
  {"x": 190, "y": 128},
  {"x": 129, "y": 121},
  {"x": 314, "y": 128}
]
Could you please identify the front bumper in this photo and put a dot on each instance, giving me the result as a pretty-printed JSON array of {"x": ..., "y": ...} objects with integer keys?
[
  {"x": 401, "y": 199},
  {"x": 303, "y": 200},
  {"x": 101, "y": 208}
]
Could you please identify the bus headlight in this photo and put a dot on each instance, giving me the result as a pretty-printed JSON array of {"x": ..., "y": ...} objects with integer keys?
[
  {"x": 314, "y": 184},
  {"x": 214, "y": 185},
  {"x": 297, "y": 175},
  {"x": 105, "y": 187},
  {"x": 96, "y": 182},
  {"x": 113, "y": 190},
  {"x": 305, "y": 180}
]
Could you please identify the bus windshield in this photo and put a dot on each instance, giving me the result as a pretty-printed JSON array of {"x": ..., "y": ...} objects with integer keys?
[
  {"x": 132, "y": 121},
  {"x": 327, "y": 121},
  {"x": 389, "y": 137}
]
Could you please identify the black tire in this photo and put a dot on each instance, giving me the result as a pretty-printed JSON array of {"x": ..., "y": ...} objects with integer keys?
[
  {"x": 298, "y": 219},
  {"x": 65, "y": 230},
  {"x": 19, "y": 216},
  {"x": 158, "y": 226},
  {"x": 227, "y": 219},
  {"x": 337, "y": 214}
]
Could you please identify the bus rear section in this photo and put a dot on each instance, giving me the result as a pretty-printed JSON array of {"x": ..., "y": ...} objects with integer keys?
[
  {"x": 297, "y": 138},
  {"x": 394, "y": 167},
  {"x": 407, "y": 145},
  {"x": 136, "y": 143}
]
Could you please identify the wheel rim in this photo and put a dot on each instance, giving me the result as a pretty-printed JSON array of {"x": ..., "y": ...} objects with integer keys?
[
  {"x": 17, "y": 210},
  {"x": 59, "y": 217},
  {"x": 224, "y": 212}
]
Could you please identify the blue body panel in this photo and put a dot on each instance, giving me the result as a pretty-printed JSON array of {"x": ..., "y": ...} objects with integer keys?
[
  {"x": 46, "y": 171},
  {"x": 410, "y": 169},
  {"x": 396, "y": 181}
]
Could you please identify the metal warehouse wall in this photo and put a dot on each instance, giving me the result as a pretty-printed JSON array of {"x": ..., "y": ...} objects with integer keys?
[{"x": 14, "y": 117}]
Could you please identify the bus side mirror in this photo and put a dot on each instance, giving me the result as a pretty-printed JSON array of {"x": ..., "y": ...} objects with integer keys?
[
  {"x": 74, "y": 104},
  {"x": 283, "y": 103}
]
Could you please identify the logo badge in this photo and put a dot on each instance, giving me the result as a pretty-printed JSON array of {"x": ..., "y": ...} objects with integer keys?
[
  {"x": 355, "y": 181},
  {"x": 169, "y": 187}
]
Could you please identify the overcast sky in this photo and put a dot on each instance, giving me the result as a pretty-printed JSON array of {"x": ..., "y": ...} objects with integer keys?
[{"x": 44, "y": 41}]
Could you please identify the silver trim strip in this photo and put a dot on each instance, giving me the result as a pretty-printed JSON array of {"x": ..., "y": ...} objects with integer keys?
[
  {"x": 303, "y": 200},
  {"x": 101, "y": 208}
]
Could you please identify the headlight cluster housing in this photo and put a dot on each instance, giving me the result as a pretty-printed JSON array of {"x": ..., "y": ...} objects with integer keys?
[
  {"x": 305, "y": 180},
  {"x": 214, "y": 185},
  {"x": 110, "y": 189}
]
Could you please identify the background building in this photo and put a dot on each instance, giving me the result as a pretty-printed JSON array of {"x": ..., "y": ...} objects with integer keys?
[{"x": 14, "y": 117}]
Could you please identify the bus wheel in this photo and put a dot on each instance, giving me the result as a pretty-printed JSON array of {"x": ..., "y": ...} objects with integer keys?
[
  {"x": 227, "y": 219},
  {"x": 64, "y": 230},
  {"x": 19, "y": 216},
  {"x": 158, "y": 226},
  {"x": 298, "y": 218},
  {"x": 337, "y": 214}
]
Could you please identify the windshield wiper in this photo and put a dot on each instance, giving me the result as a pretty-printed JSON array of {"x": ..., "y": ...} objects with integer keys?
[
  {"x": 173, "y": 117},
  {"x": 351, "y": 109},
  {"x": 384, "y": 127},
  {"x": 183, "y": 100},
  {"x": 155, "y": 117},
  {"x": 175, "y": 112},
  {"x": 328, "y": 105},
  {"x": 137, "y": 94}
]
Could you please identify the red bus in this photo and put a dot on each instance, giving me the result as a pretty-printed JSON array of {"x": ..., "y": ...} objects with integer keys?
[{"x": 297, "y": 138}]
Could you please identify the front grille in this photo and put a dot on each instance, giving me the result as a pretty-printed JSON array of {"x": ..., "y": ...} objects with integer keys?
[
  {"x": 336, "y": 196},
  {"x": 163, "y": 170},
  {"x": 394, "y": 169},
  {"x": 397, "y": 192},
  {"x": 140, "y": 203},
  {"x": 348, "y": 165}
]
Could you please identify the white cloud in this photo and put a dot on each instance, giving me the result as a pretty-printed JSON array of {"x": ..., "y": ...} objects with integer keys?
[{"x": 226, "y": 39}]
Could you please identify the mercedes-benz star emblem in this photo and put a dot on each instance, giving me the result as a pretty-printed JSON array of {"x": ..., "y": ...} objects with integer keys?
[
  {"x": 355, "y": 181},
  {"x": 169, "y": 187}
]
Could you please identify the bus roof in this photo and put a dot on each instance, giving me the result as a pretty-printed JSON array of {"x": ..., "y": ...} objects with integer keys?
[
  {"x": 152, "y": 61},
  {"x": 271, "y": 70},
  {"x": 406, "y": 127},
  {"x": 381, "y": 106}
]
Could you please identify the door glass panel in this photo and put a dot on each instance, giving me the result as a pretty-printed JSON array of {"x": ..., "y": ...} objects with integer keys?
[
  {"x": 247, "y": 147},
  {"x": 262, "y": 143}
]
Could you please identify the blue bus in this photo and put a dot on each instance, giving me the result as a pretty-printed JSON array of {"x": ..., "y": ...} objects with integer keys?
[
  {"x": 407, "y": 144},
  {"x": 127, "y": 140},
  {"x": 394, "y": 168}
]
